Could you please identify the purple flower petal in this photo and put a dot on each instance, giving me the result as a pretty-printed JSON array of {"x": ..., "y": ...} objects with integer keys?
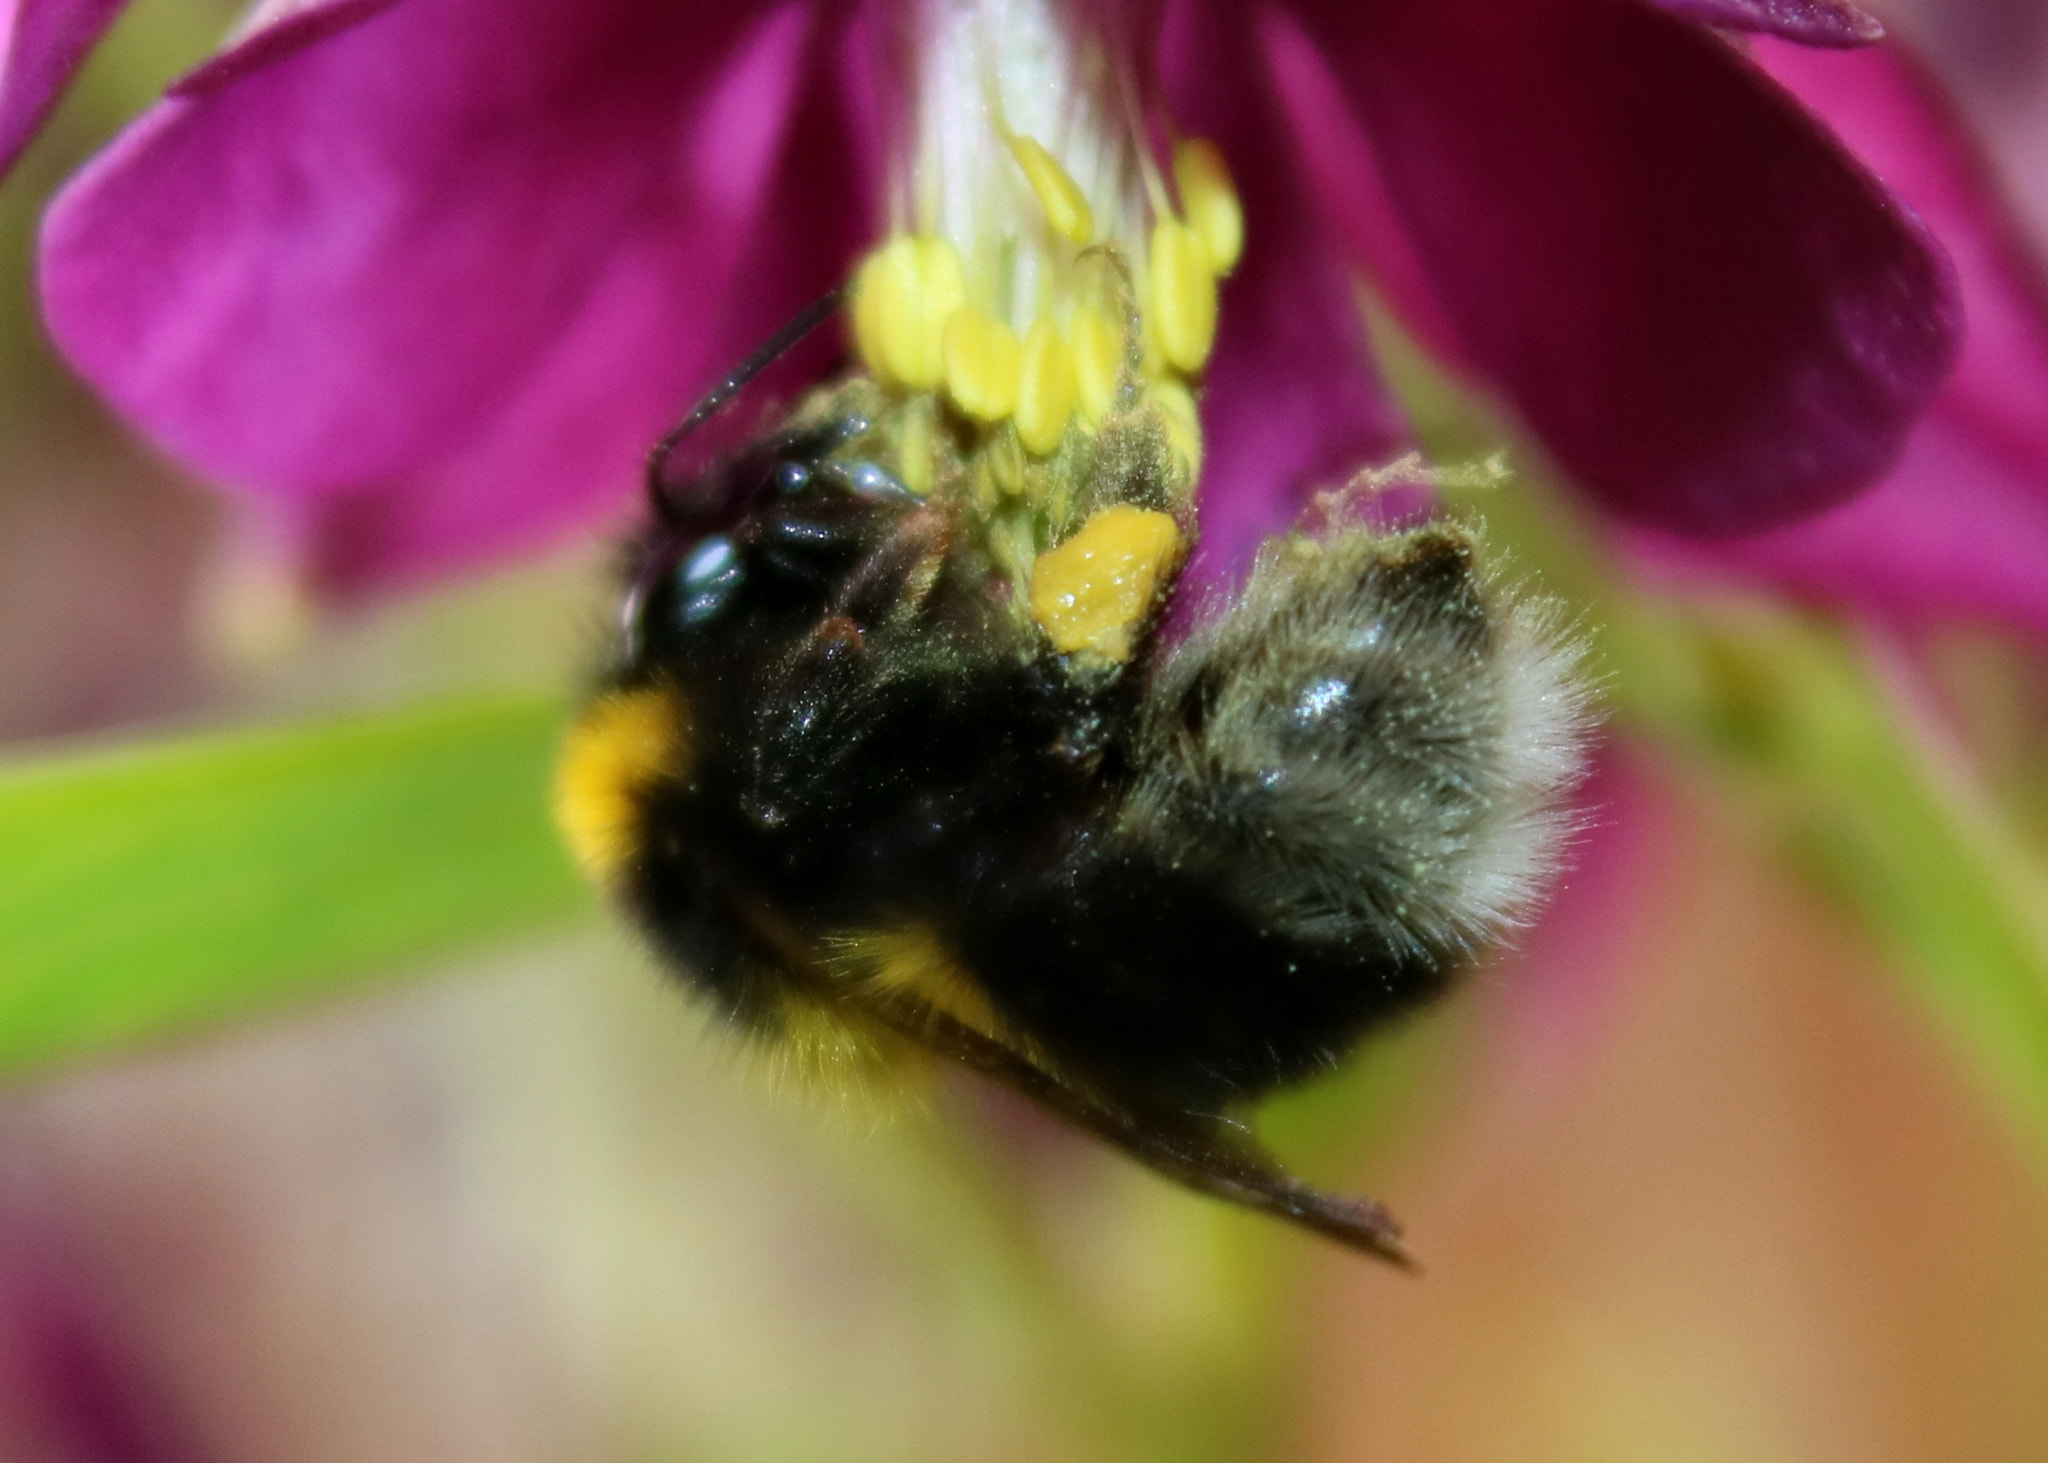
[
  {"x": 41, "y": 44},
  {"x": 71, "y": 1379},
  {"x": 1706, "y": 309},
  {"x": 431, "y": 286},
  {"x": 1959, "y": 529},
  {"x": 1962, "y": 524},
  {"x": 1832, "y": 23},
  {"x": 1293, "y": 401}
]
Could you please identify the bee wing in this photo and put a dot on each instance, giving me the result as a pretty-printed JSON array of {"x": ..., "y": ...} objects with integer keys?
[
  {"x": 1201, "y": 1151},
  {"x": 1205, "y": 1153}
]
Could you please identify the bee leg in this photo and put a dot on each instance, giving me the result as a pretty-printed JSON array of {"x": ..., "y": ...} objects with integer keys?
[
  {"x": 1205, "y": 1153},
  {"x": 898, "y": 576}
]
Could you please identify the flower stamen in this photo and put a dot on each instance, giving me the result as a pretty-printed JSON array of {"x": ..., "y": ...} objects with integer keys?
[
  {"x": 1208, "y": 199},
  {"x": 1032, "y": 336},
  {"x": 984, "y": 361},
  {"x": 1066, "y": 206},
  {"x": 1183, "y": 296},
  {"x": 1045, "y": 389}
]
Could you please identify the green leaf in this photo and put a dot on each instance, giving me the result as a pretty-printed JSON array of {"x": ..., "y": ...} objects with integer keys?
[{"x": 153, "y": 889}]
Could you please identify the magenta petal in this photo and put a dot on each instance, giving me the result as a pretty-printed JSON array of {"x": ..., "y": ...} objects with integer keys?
[
  {"x": 1293, "y": 401},
  {"x": 1714, "y": 318},
  {"x": 1959, "y": 529},
  {"x": 1809, "y": 22},
  {"x": 41, "y": 44},
  {"x": 428, "y": 288}
]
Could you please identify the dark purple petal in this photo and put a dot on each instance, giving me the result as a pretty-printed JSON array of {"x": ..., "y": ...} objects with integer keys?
[
  {"x": 1293, "y": 402},
  {"x": 1832, "y": 23},
  {"x": 429, "y": 288},
  {"x": 1705, "y": 308},
  {"x": 1896, "y": 118},
  {"x": 1961, "y": 526},
  {"x": 41, "y": 44}
]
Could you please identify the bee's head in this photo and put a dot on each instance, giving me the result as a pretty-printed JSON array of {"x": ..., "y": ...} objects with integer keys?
[{"x": 762, "y": 545}]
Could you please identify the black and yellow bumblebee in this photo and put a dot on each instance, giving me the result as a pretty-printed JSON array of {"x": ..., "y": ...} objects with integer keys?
[{"x": 872, "y": 803}]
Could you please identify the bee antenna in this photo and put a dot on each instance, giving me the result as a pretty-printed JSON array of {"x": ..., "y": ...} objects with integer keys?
[{"x": 808, "y": 319}]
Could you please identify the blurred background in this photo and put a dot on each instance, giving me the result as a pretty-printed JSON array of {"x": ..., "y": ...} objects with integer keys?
[{"x": 1699, "y": 1173}]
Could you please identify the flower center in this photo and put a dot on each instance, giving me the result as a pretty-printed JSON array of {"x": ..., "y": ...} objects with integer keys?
[{"x": 1034, "y": 330}]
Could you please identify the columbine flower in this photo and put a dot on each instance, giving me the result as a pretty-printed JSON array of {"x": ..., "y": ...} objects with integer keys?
[{"x": 424, "y": 277}]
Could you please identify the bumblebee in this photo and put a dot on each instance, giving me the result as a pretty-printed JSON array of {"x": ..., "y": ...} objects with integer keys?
[{"x": 878, "y": 779}]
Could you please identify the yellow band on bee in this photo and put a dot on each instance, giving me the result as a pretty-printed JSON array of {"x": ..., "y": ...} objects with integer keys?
[{"x": 623, "y": 745}]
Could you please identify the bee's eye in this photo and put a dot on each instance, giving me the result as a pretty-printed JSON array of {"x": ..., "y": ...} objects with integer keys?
[{"x": 706, "y": 579}]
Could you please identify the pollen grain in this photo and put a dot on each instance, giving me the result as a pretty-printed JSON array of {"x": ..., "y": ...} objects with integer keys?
[{"x": 1091, "y": 594}]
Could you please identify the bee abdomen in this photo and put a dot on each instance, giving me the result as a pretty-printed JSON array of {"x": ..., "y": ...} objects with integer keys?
[
  {"x": 1371, "y": 747},
  {"x": 1350, "y": 782},
  {"x": 1151, "y": 978}
]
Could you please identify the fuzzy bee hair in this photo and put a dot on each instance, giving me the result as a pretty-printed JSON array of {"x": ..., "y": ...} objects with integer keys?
[{"x": 1373, "y": 740}]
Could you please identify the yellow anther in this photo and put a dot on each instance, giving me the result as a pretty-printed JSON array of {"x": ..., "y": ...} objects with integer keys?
[
  {"x": 1209, "y": 199},
  {"x": 1045, "y": 389},
  {"x": 1098, "y": 362},
  {"x": 868, "y": 290},
  {"x": 982, "y": 359},
  {"x": 1151, "y": 359},
  {"x": 914, "y": 450},
  {"x": 1183, "y": 291},
  {"x": 904, "y": 295},
  {"x": 1005, "y": 461},
  {"x": 1066, "y": 206},
  {"x": 1177, "y": 410},
  {"x": 1091, "y": 594}
]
